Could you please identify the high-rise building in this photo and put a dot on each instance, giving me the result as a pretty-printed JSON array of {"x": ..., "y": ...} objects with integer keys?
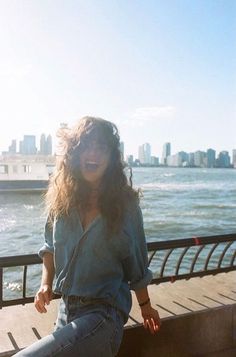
[
  {"x": 12, "y": 147},
  {"x": 234, "y": 158},
  {"x": 28, "y": 145},
  {"x": 141, "y": 154},
  {"x": 223, "y": 159},
  {"x": 154, "y": 161},
  {"x": 173, "y": 160},
  {"x": 165, "y": 153},
  {"x": 130, "y": 160},
  {"x": 191, "y": 159},
  {"x": 147, "y": 153},
  {"x": 43, "y": 144},
  {"x": 210, "y": 158},
  {"x": 49, "y": 145},
  {"x": 199, "y": 158},
  {"x": 183, "y": 158},
  {"x": 122, "y": 149},
  {"x": 144, "y": 154}
]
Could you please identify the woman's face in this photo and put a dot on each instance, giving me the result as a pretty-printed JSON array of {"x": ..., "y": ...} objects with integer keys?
[{"x": 94, "y": 160}]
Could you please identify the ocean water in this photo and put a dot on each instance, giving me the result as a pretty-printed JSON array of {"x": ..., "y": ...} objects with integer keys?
[{"x": 176, "y": 203}]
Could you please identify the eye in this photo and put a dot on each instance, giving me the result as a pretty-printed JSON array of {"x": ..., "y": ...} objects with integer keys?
[{"x": 103, "y": 148}]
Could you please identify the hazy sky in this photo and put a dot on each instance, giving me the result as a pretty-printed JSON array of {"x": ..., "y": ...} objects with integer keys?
[{"x": 162, "y": 70}]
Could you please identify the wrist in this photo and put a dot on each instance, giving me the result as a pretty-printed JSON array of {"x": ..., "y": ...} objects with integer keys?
[
  {"x": 144, "y": 303},
  {"x": 46, "y": 285}
]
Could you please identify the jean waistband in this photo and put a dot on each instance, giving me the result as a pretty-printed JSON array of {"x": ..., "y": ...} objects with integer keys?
[{"x": 83, "y": 300}]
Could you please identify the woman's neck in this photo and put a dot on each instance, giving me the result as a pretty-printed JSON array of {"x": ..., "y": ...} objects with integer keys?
[{"x": 91, "y": 210}]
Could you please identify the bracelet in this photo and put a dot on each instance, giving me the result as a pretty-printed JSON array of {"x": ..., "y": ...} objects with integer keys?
[{"x": 145, "y": 302}]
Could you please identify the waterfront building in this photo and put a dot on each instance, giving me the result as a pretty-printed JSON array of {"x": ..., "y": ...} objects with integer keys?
[
  {"x": 191, "y": 159},
  {"x": 28, "y": 145},
  {"x": 183, "y": 159},
  {"x": 141, "y": 154},
  {"x": 130, "y": 160},
  {"x": 223, "y": 159},
  {"x": 154, "y": 161},
  {"x": 200, "y": 158},
  {"x": 49, "y": 145},
  {"x": 173, "y": 160},
  {"x": 12, "y": 147},
  {"x": 147, "y": 153},
  {"x": 43, "y": 145},
  {"x": 122, "y": 150},
  {"x": 144, "y": 154},
  {"x": 165, "y": 153},
  {"x": 234, "y": 158},
  {"x": 210, "y": 158}
]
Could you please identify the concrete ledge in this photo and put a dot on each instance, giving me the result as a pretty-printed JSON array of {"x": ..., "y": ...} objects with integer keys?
[{"x": 205, "y": 333}]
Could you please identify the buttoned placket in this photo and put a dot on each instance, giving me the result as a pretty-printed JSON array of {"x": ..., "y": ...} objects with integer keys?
[{"x": 67, "y": 281}]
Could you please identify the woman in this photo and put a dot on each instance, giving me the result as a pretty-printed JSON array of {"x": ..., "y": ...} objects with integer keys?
[{"x": 95, "y": 244}]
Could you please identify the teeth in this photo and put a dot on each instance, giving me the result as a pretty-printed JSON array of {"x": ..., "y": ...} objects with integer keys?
[{"x": 91, "y": 165}]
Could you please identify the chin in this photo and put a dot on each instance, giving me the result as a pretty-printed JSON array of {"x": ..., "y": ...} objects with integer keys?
[{"x": 91, "y": 179}]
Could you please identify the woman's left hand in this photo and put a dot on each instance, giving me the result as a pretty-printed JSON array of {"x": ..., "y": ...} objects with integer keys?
[{"x": 151, "y": 318}]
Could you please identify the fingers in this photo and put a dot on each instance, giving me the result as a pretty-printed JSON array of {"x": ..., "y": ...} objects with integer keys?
[
  {"x": 39, "y": 303},
  {"x": 152, "y": 322},
  {"x": 41, "y": 299},
  {"x": 152, "y": 325}
]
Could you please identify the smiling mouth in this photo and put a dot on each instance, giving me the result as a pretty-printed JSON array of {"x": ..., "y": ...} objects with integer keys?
[{"x": 91, "y": 166}]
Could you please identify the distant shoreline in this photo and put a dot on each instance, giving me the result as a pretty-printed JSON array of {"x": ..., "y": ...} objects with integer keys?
[{"x": 178, "y": 167}]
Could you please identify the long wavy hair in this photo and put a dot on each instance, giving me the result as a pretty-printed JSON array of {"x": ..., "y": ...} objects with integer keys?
[{"x": 67, "y": 188}]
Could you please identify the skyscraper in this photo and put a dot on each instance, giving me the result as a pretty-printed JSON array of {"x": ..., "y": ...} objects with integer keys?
[
  {"x": 141, "y": 154},
  {"x": 165, "y": 153},
  {"x": 49, "y": 145},
  {"x": 45, "y": 145},
  {"x": 210, "y": 158},
  {"x": 42, "y": 149},
  {"x": 144, "y": 154},
  {"x": 122, "y": 149},
  {"x": 223, "y": 159},
  {"x": 12, "y": 147},
  {"x": 147, "y": 153},
  {"x": 199, "y": 157},
  {"x": 28, "y": 145},
  {"x": 234, "y": 158}
]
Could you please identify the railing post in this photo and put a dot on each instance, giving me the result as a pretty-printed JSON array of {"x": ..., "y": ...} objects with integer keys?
[{"x": 1, "y": 287}]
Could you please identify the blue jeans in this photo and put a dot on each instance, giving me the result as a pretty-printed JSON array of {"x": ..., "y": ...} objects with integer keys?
[{"x": 83, "y": 330}]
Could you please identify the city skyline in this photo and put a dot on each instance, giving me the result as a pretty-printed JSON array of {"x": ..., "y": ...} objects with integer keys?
[
  {"x": 30, "y": 145},
  {"x": 162, "y": 71},
  {"x": 41, "y": 142}
]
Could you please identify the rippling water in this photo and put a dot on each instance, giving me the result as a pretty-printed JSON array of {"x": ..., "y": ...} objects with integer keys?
[
  {"x": 176, "y": 203},
  {"x": 180, "y": 203}
]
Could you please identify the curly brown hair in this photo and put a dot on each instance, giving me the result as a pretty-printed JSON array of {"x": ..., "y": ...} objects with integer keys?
[{"x": 67, "y": 188}]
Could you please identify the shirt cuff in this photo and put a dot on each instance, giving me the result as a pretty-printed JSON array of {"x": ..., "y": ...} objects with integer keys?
[
  {"x": 145, "y": 281},
  {"x": 45, "y": 249}
]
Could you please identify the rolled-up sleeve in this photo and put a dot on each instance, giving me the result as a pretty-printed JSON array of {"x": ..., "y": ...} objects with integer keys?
[
  {"x": 48, "y": 240},
  {"x": 135, "y": 265}
]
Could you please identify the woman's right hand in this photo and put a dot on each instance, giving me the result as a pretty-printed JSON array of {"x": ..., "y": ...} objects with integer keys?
[{"x": 43, "y": 297}]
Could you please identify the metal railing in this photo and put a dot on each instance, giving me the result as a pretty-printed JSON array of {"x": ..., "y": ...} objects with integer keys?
[
  {"x": 193, "y": 257},
  {"x": 173, "y": 259}
]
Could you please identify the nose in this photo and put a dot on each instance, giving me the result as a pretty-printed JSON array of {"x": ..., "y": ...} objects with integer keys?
[{"x": 92, "y": 148}]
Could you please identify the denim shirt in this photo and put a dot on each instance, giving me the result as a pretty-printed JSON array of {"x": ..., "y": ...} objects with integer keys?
[{"x": 90, "y": 264}]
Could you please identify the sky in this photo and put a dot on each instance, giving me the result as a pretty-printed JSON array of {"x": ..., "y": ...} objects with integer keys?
[{"x": 162, "y": 70}]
